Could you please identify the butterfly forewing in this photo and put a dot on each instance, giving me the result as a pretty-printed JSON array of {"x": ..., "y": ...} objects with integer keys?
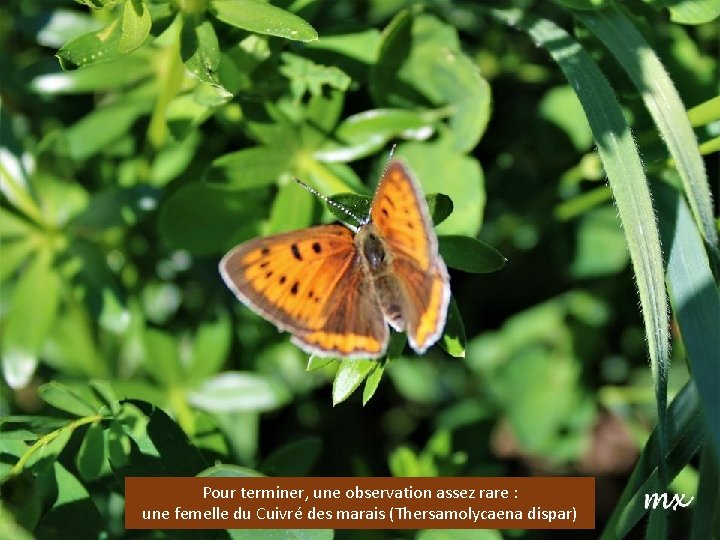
[
  {"x": 400, "y": 215},
  {"x": 300, "y": 282}
]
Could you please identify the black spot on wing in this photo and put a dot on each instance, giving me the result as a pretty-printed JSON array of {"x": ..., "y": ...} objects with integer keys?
[
  {"x": 296, "y": 252},
  {"x": 316, "y": 247},
  {"x": 294, "y": 288}
]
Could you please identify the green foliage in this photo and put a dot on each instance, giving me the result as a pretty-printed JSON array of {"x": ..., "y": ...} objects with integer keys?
[{"x": 164, "y": 133}]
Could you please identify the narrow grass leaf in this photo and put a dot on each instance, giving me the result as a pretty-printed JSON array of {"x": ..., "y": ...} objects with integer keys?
[
  {"x": 662, "y": 100},
  {"x": 695, "y": 300},
  {"x": 627, "y": 180}
]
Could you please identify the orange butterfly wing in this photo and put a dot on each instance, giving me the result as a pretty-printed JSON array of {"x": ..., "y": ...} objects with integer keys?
[
  {"x": 400, "y": 215},
  {"x": 311, "y": 284}
]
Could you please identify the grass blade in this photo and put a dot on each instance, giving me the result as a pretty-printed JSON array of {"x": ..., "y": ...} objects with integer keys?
[{"x": 663, "y": 102}]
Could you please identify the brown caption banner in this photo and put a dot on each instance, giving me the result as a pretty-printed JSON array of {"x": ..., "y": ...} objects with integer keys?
[{"x": 359, "y": 503}]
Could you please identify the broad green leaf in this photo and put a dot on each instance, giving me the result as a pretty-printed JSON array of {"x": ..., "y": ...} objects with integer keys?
[
  {"x": 73, "y": 511},
  {"x": 14, "y": 254},
  {"x": 439, "y": 206},
  {"x": 317, "y": 362},
  {"x": 453, "y": 339},
  {"x": 262, "y": 18},
  {"x": 104, "y": 393},
  {"x": 208, "y": 221},
  {"x": 439, "y": 169},
  {"x": 61, "y": 397},
  {"x": 102, "y": 126},
  {"x": 91, "y": 456},
  {"x": 292, "y": 209},
  {"x": 159, "y": 446},
  {"x": 161, "y": 357},
  {"x": 296, "y": 458},
  {"x": 349, "y": 376},
  {"x": 561, "y": 106},
  {"x": 421, "y": 63},
  {"x": 209, "y": 348},
  {"x": 372, "y": 382},
  {"x": 600, "y": 245},
  {"x": 307, "y": 76},
  {"x": 689, "y": 11},
  {"x": 33, "y": 309},
  {"x": 663, "y": 101},
  {"x": 28, "y": 428},
  {"x": 470, "y": 255},
  {"x": 199, "y": 48},
  {"x": 365, "y": 133},
  {"x": 121, "y": 72},
  {"x": 238, "y": 391},
  {"x": 136, "y": 25},
  {"x": 250, "y": 168},
  {"x": 91, "y": 48},
  {"x": 46, "y": 455}
]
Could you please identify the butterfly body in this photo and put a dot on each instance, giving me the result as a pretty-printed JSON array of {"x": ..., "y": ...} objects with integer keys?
[{"x": 336, "y": 291}]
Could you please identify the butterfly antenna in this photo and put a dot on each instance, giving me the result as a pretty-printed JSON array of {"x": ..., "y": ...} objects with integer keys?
[{"x": 329, "y": 201}]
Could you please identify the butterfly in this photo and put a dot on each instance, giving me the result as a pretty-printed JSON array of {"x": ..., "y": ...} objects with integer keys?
[{"x": 336, "y": 290}]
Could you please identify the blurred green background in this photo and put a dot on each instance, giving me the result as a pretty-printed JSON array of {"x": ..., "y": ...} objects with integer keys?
[{"x": 174, "y": 133}]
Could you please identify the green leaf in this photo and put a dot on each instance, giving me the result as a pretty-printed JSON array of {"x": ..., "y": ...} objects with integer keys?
[
  {"x": 421, "y": 63},
  {"x": 470, "y": 255},
  {"x": 687, "y": 433},
  {"x": 292, "y": 209},
  {"x": 293, "y": 459},
  {"x": 135, "y": 26},
  {"x": 122, "y": 71},
  {"x": 307, "y": 76},
  {"x": 91, "y": 48},
  {"x": 238, "y": 391},
  {"x": 561, "y": 106},
  {"x": 199, "y": 48},
  {"x": 453, "y": 339},
  {"x": 695, "y": 300},
  {"x": 263, "y": 18},
  {"x": 365, "y": 133},
  {"x": 689, "y": 11},
  {"x": 439, "y": 206},
  {"x": 61, "y": 397},
  {"x": 91, "y": 456},
  {"x": 627, "y": 180},
  {"x": 207, "y": 221},
  {"x": 706, "y": 509},
  {"x": 104, "y": 125},
  {"x": 349, "y": 376},
  {"x": 250, "y": 168},
  {"x": 372, "y": 382},
  {"x": 161, "y": 357},
  {"x": 600, "y": 245},
  {"x": 33, "y": 309},
  {"x": 209, "y": 348},
  {"x": 73, "y": 513},
  {"x": 103, "y": 391},
  {"x": 662, "y": 101},
  {"x": 439, "y": 169}
]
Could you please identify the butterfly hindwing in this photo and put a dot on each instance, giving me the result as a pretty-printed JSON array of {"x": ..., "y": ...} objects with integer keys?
[{"x": 400, "y": 215}]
